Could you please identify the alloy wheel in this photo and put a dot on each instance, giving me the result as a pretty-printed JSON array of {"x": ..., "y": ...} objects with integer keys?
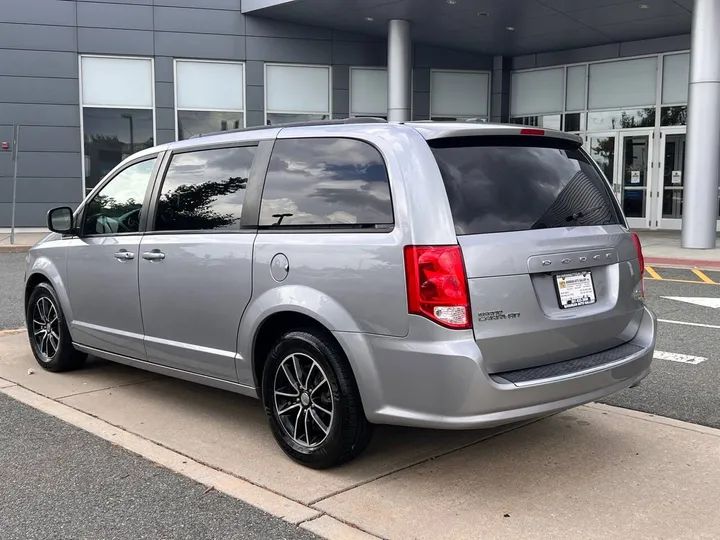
[{"x": 46, "y": 328}]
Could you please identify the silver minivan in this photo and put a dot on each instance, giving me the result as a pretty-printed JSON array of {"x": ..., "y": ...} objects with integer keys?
[{"x": 351, "y": 273}]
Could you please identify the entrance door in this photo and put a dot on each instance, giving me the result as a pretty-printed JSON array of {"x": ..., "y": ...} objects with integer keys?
[
  {"x": 602, "y": 147},
  {"x": 671, "y": 181},
  {"x": 633, "y": 177}
]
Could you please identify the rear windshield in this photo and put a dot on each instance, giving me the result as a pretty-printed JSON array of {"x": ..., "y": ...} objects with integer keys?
[{"x": 519, "y": 183}]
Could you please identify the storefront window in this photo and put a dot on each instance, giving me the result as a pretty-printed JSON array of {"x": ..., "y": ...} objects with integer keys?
[
  {"x": 629, "y": 118},
  {"x": 575, "y": 122},
  {"x": 673, "y": 116},
  {"x": 191, "y": 123},
  {"x": 550, "y": 121}
]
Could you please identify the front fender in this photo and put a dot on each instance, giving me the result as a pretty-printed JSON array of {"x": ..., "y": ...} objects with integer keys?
[
  {"x": 295, "y": 298},
  {"x": 51, "y": 266}
]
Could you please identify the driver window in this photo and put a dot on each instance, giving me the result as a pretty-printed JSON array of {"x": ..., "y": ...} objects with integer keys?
[{"x": 116, "y": 207}]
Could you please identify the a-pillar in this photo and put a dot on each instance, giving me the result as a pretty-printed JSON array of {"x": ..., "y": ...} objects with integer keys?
[
  {"x": 399, "y": 70},
  {"x": 702, "y": 154}
]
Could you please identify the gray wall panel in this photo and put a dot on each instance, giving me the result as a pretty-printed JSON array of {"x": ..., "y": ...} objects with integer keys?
[
  {"x": 106, "y": 15},
  {"x": 259, "y": 27},
  {"x": 31, "y": 214},
  {"x": 421, "y": 80},
  {"x": 254, "y": 118},
  {"x": 134, "y": 2},
  {"x": 255, "y": 98},
  {"x": 113, "y": 41},
  {"x": 654, "y": 46},
  {"x": 164, "y": 94},
  {"x": 164, "y": 69},
  {"x": 339, "y": 35},
  {"x": 48, "y": 138},
  {"x": 38, "y": 37},
  {"x": 340, "y": 103},
  {"x": 205, "y": 46},
  {"x": 421, "y": 106},
  {"x": 359, "y": 54},
  {"x": 299, "y": 51},
  {"x": 31, "y": 190},
  {"x": 208, "y": 4},
  {"x": 165, "y": 118},
  {"x": 38, "y": 90},
  {"x": 341, "y": 77},
  {"x": 441, "y": 58},
  {"x": 40, "y": 114},
  {"x": 524, "y": 62},
  {"x": 254, "y": 73},
  {"x": 39, "y": 12},
  {"x": 588, "y": 54},
  {"x": 38, "y": 63},
  {"x": 44, "y": 164},
  {"x": 165, "y": 136},
  {"x": 200, "y": 21}
]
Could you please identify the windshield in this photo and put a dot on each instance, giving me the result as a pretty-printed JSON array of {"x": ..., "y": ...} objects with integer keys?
[{"x": 519, "y": 183}]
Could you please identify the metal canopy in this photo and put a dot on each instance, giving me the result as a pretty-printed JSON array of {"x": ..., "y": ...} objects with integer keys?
[{"x": 483, "y": 25}]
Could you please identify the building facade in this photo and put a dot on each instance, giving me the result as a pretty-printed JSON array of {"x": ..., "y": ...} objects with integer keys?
[{"x": 90, "y": 82}]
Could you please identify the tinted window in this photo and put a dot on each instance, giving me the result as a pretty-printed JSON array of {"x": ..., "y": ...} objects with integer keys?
[
  {"x": 507, "y": 184},
  {"x": 204, "y": 190},
  {"x": 117, "y": 206},
  {"x": 326, "y": 183}
]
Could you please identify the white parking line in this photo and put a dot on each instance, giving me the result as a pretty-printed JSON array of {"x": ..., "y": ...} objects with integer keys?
[
  {"x": 677, "y": 357},
  {"x": 689, "y": 323}
]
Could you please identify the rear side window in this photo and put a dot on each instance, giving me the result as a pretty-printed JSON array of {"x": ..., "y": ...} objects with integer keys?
[
  {"x": 501, "y": 184},
  {"x": 326, "y": 183},
  {"x": 204, "y": 190}
]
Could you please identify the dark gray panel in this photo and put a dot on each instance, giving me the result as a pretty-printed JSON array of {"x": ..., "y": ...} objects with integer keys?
[
  {"x": 201, "y": 21},
  {"x": 654, "y": 46},
  {"x": 524, "y": 62},
  {"x": 421, "y": 105},
  {"x": 31, "y": 214},
  {"x": 254, "y": 73},
  {"x": 106, "y": 15},
  {"x": 578, "y": 5},
  {"x": 255, "y": 98},
  {"x": 421, "y": 80},
  {"x": 628, "y": 11},
  {"x": 200, "y": 46},
  {"x": 164, "y": 69},
  {"x": 44, "y": 190},
  {"x": 39, "y": 90},
  {"x": 339, "y": 35},
  {"x": 40, "y": 114},
  {"x": 45, "y": 165},
  {"x": 495, "y": 107},
  {"x": 440, "y": 58},
  {"x": 359, "y": 54},
  {"x": 38, "y": 37},
  {"x": 48, "y": 138},
  {"x": 649, "y": 28},
  {"x": 207, "y": 4},
  {"x": 254, "y": 118},
  {"x": 303, "y": 51},
  {"x": 39, "y": 12},
  {"x": 259, "y": 27},
  {"x": 136, "y": 2},
  {"x": 165, "y": 136},
  {"x": 38, "y": 63},
  {"x": 164, "y": 94},
  {"x": 341, "y": 77},
  {"x": 340, "y": 103},
  {"x": 164, "y": 118},
  {"x": 588, "y": 54},
  {"x": 112, "y": 41}
]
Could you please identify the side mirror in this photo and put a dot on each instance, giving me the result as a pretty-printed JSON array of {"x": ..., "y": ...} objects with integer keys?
[{"x": 60, "y": 220}]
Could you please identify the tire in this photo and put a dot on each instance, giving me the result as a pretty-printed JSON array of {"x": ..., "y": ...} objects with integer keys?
[
  {"x": 326, "y": 385},
  {"x": 53, "y": 350}
]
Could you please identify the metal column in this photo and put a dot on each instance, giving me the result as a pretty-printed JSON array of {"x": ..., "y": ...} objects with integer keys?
[
  {"x": 399, "y": 70},
  {"x": 700, "y": 206}
]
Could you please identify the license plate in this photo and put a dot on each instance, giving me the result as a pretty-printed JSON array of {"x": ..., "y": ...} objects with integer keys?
[{"x": 575, "y": 289}]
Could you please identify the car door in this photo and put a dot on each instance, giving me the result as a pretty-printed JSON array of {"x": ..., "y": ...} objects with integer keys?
[
  {"x": 102, "y": 262},
  {"x": 196, "y": 261}
]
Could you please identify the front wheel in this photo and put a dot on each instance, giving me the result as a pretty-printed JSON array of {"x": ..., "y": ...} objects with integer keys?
[
  {"x": 312, "y": 402},
  {"x": 49, "y": 336}
]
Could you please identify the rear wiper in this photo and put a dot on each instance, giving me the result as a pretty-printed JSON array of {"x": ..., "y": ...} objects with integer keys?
[{"x": 582, "y": 213}]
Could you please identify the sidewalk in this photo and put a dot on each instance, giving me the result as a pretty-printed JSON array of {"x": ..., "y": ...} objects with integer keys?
[
  {"x": 593, "y": 472},
  {"x": 23, "y": 241}
]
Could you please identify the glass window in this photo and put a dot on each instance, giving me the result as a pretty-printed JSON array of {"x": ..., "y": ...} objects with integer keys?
[
  {"x": 459, "y": 93},
  {"x": 611, "y": 120},
  {"x": 368, "y": 92},
  {"x": 326, "y": 183},
  {"x": 623, "y": 84},
  {"x": 676, "y": 78},
  {"x": 204, "y": 190},
  {"x": 297, "y": 90},
  {"x": 537, "y": 92},
  {"x": 191, "y": 123},
  {"x": 575, "y": 91},
  {"x": 550, "y": 121},
  {"x": 273, "y": 119},
  {"x": 500, "y": 184},
  {"x": 116, "y": 82},
  {"x": 673, "y": 116},
  {"x": 111, "y": 135},
  {"x": 116, "y": 208},
  {"x": 575, "y": 122}
]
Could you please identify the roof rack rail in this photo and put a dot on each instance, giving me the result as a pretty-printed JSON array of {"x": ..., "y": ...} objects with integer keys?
[{"x": 357, "y": 120}]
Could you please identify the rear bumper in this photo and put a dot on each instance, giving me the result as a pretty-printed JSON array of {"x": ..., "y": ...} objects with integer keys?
[{"x": 442, "y": 384}]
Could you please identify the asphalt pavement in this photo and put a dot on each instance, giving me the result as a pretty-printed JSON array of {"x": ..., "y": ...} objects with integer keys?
[
  {"x": 12, "y": 273},
  {"x": 61, "y": 483}
]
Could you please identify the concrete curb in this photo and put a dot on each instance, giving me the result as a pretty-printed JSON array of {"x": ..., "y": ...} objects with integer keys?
[
  {"x": 15, "y": 248},
  {"x": 685, "y": 263}
]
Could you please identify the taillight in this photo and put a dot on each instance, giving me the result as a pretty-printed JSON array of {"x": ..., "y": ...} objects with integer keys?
[
  {"x": 638, "y": 248},
  {"x": 532, "y": 131},
  {"x": 436, "y": 285}
]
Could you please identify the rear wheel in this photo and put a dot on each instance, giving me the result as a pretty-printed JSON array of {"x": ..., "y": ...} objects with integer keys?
[
  {"x": 312, "y": 401},
  {"x": 49, "y": 336}
]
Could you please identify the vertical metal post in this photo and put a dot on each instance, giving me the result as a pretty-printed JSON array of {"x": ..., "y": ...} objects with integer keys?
[
  {"x": 16, "y": 141},
  {"x": 399, "y": 70},
  {"x": 700, "y": 208}
]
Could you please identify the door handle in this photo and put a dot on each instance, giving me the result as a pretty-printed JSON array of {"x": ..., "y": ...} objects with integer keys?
[
  {"x": 154, "y": 255},
  {"x": 124, "y": 255}
]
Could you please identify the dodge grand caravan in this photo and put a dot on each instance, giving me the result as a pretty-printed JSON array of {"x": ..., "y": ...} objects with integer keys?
[{"x": 351, "y": 273}]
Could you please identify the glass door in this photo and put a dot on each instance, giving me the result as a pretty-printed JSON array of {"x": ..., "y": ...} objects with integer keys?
[
  {"x": 602, "y": 147},
  {"x": 633, "y": 176},
  {"x": 671, "y": 180}
]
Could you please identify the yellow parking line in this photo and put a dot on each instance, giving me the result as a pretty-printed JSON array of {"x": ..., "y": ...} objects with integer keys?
[
  {"x": 702, "y": 276},
  {"x": 682, "y": 281},
  {"x": 652, "y": 272}
]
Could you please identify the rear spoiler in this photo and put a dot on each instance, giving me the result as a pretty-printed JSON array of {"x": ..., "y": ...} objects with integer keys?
[{"x": 445, "y": 130}]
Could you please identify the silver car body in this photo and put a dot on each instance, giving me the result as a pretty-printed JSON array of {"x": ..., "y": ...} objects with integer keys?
[{"x": 196, "y": 313}]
